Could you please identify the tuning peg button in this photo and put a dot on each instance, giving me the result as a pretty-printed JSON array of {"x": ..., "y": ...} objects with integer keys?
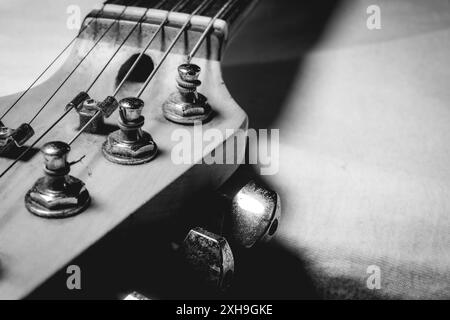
[
  {"x": 135, "y": 296},
  {"x": 254, "y": 215},
  {"x": 209, "y": 257},
  {"x": 57, "y": 194}
]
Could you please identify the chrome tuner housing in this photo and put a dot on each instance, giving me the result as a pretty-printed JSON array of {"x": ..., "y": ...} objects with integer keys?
[
  {"x": 57, "y": 194},
  {"x": 255, "y": 215},
  {"x": 135, "y": 296},
  {"x": 209, "y": 257},
  {"x": 130, "y": 145},
  {"x": 186, "y": 106}
]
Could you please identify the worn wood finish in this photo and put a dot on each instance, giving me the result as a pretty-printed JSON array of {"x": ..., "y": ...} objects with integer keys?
[{"x": 31, "y": 248}]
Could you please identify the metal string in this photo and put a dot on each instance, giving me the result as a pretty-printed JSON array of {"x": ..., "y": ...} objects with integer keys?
[
  {"x": 208, "y": 29},
  {"x": 186, "y": 25},
  {"x": 53, "y": 62},
  {"x": 69, "y": 109},
  {"x": 79, "y": 63},
  {"x": 159, "y": 5},
  {"x": 201, "y": 7},
  {"x": 177, "y": 7}
]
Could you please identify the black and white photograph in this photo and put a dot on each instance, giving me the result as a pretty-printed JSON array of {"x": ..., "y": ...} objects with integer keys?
[{"x": 224, "y": 155}]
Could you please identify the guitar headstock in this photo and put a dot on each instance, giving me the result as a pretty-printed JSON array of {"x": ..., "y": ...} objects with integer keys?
[{"x": 190, "y": 156}]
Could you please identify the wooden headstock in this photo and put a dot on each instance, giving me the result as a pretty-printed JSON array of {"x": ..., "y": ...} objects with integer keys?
[{"x": 32, "y": 248}]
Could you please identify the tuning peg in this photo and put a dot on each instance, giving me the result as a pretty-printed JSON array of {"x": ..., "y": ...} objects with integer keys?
[
  {"x": 187, "y": 106},
  {"x": 135, "y": 296},
  {"x": 130, "y": 145},
  {"x": 209, "y": 257},
  {"x": 57, "y": 194},
  {"x": 14, "y": 137},
  {"x": 254, "y": 214}
]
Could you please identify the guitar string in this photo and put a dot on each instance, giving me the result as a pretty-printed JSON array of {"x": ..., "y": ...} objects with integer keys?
[
  {"x": 178, "y": 6},
  {"x": 223, "y": 11},
  {"x": 53, "y": 62},
  {"x": 139, "y": 22},
  {"x": 69, "y": 109},
  {"x": 80, "y": 62},
  {"x": 201, "y": 7},
  {"x": 210, "y": 25}
]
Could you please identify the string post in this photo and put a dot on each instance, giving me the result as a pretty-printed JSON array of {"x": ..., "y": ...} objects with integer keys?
[
  {"x": 89, "y": 110},
  {"x": 186, "y": 105},
  {"x": 130, "y": 145},
  {"x": 57, "y": 194},
  {"x": 14, "y": 138}
]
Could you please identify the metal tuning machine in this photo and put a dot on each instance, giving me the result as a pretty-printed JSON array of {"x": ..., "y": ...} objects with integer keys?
[
  {"x": 254, "y": 215},
  {"x": 187, "y": 106},
  {"x": 130, "y": 145},
  {"x": 57, "y": 194},
  {"x": 249, "y": 217},
  {"x": 209, "y": 258}
]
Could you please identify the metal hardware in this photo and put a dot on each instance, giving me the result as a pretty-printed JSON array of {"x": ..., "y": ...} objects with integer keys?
[
  {"x": 130, "y": 145},
  {"x": 88, "y": 108},
  {"x": 10, "y": 138},
  {"x": 187, "y": 106},
  {"x": 57, "y": 194},
  {"x": 135, "y": 296},
  {"x": 78, "y": 100},
  {"x": 210, "y": 258},
  {"x": 86, "y": 112},
  {"x": 254, "y": 217}
]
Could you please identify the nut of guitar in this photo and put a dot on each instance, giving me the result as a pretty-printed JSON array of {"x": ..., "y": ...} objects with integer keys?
[{"x": 209, "y": 257}]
